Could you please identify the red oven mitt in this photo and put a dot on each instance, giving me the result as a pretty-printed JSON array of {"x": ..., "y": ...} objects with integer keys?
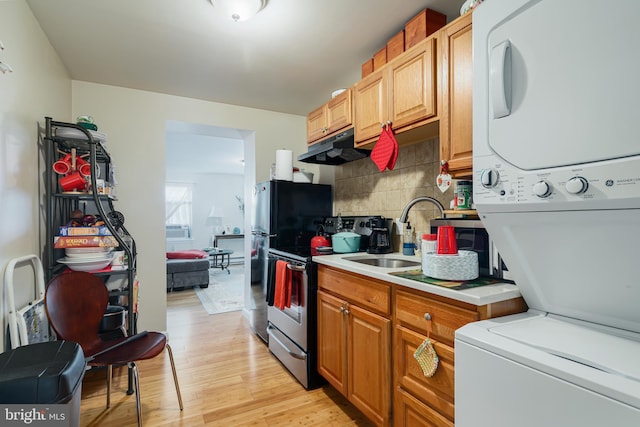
[
  {"x": 392, "y": 161},
  {"x": 385, "y": 152}
]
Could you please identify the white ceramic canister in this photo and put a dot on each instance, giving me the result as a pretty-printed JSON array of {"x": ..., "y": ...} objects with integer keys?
[{"x": 429, "y": 246}]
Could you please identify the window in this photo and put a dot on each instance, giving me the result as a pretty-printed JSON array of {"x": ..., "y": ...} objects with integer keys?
[{"x": 178, "y": 205}]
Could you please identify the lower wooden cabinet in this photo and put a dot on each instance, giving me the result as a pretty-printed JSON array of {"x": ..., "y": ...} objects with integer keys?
[
  {"x": 429, "y": 401},
  {"x": 354, "y": 349},
  {"x": 436, "y": 391}
]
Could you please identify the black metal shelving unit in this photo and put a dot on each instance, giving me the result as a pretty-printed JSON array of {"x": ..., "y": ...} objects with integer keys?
[{"x": 58, "y": 205}]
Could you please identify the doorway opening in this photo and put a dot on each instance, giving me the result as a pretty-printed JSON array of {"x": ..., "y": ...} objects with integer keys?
[{"x": 209, "y": 176}]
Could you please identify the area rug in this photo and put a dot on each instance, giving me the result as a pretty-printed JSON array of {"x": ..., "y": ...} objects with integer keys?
[{"x": 225, "y": 292}]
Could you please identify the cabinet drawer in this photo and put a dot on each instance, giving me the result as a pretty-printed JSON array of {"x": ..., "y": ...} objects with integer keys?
[
  {"x": 445, "y": 318},
  {"x": 437, "y": 391},
  {"x": 365, "y": 292},
  {"x": 409, "y": 412}
]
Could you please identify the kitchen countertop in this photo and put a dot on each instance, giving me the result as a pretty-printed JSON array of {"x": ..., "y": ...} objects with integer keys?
[{"x": 478, "y": 295}]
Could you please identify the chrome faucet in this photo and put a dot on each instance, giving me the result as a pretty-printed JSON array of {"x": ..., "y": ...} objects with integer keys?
[{"x": 405, "y": 211}]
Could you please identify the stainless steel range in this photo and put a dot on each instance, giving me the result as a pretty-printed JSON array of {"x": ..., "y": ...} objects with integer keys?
[{"x": 292, "y": 329}]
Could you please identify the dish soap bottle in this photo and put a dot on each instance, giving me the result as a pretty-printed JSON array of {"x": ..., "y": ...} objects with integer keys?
[{"x": 408, "y": 243}]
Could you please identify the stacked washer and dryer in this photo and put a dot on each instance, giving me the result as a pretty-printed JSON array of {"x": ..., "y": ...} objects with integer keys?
[{"x": 557, "y": 185}]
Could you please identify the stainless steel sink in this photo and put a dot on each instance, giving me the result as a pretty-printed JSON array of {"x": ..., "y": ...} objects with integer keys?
[{"x": 384, "y": 262}]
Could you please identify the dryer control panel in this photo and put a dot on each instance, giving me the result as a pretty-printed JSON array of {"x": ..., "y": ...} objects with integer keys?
[{"x": 598, "y": 185}]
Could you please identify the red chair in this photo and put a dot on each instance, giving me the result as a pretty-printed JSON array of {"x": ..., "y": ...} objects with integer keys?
[{"x": 75, "y": 303}]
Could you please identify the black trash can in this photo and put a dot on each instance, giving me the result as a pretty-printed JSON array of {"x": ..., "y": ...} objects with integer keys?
[{"x": 42, "y": 374}]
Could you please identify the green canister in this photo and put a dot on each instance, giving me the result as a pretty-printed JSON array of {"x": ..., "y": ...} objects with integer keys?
[{"x": 465, "y": 194}]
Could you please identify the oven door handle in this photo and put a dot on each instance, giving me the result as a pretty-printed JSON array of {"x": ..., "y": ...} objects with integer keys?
[
  {"x": 279, "y": 341},
  {"x": 294, "y": 267}
]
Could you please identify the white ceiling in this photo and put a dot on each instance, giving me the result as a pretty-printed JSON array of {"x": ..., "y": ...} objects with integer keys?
[{"x": 288, "y": 58}]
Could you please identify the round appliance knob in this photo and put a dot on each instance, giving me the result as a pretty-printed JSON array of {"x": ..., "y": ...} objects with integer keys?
[
  {"x": 577, "y": 185},
  {"x": 542, "y": 189},
  {"x": 489, "y": 178}
]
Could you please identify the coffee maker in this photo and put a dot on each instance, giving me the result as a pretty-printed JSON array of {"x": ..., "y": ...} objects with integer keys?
[{"x": 380, "y": 238}]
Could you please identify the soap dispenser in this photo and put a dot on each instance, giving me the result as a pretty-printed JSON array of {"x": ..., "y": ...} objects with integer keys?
[{"x": 408, "y": 243}]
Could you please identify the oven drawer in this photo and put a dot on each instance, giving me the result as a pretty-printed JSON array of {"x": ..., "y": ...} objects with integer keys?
[{"x": 291, "y": 356}]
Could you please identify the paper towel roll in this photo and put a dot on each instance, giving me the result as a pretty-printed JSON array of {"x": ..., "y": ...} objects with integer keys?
[{"x": 284, "y": 165}]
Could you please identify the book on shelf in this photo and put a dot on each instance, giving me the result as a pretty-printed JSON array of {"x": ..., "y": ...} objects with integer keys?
[{"x": 84, "y": 242}]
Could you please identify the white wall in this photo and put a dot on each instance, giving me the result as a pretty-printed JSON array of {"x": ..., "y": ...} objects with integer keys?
[
  {"x": 208, "y": 190},
  {"x": 39, "y": 86},
  {"x": 135, "y": 122}
]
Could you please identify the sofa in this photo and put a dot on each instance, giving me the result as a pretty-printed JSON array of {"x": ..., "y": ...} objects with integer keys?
[{"x": 187, "y": 269}]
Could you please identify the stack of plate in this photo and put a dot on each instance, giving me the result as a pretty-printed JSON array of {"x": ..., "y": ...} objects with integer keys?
[
  {"x": 86, "y": 259},
  {"x": 78, "y": 134},
  {"x": 460, "y": 267}
]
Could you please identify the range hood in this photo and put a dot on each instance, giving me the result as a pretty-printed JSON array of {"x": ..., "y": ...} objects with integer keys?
[{"x": 335, "y": 150}]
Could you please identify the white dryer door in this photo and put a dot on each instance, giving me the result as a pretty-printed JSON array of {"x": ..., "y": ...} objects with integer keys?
[{"x": 556, "y": 83}]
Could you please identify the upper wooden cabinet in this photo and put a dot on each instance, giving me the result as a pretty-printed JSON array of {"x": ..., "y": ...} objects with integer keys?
[
  {"x": 403, "y": 92},
  {"x": 370, "y": 105},
  {"x": 456, "y": 119},
  {"x": 333, "y": 116}
]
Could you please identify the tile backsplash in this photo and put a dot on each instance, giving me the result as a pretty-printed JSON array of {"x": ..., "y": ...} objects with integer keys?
[{"x": 361, "y": 189}]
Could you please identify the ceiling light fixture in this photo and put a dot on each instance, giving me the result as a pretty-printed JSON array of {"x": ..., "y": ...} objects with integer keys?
[{"x": 239, "y": 10}]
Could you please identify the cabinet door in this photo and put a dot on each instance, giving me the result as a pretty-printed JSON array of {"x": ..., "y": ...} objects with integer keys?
[
  {"x": 332, "y": 349},
  {"x": 339, "y": 112},
  {"x": 369, "y": 363},
  {"x": 456, "y": 125},
  {"x": 370, "y": 105},
  {"x": 413, "y": 86},
  {"x": 410, "y": 412},
  {"x": 437, "y": 391},
  {"x": 316, "y": 124}
]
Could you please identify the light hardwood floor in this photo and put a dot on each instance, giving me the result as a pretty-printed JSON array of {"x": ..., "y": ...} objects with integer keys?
[{"x": 227, "y": 377}]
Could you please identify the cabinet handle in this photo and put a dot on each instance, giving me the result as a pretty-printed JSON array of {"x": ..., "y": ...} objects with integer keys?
[
  {"x": 342, "y": 309},
  {"x": 500, "y": 77},
  {"x": 427, "y": 316},
  {"x": 347, "y": 312}
]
